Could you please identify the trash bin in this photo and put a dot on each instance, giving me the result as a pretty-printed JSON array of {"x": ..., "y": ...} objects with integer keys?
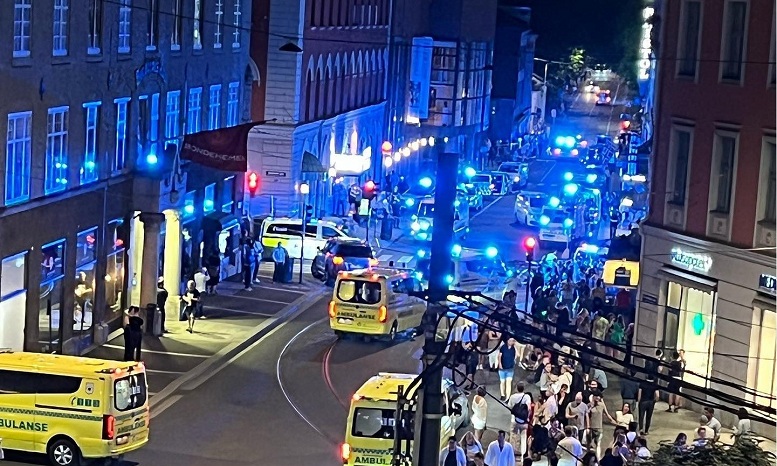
[
  {"x": 154, "y": 317},
  {"x": 386, "y": 228},
  {"x": 288, "y": 273}
]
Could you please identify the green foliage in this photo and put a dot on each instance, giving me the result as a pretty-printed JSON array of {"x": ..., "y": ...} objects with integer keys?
[{"x": 744, "y": 452}]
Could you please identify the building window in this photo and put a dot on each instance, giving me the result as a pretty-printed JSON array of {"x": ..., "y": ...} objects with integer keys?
[
  {"x": 228, "y": 194},
  {"x": 125, "y": 25},
  {"x": 772, "y": 78},
  {"x": 52, "y": 294},
  {"x": 13, "y": 300},
  {"x": 194, "y": 111},
  {"x": 152, "y": 34},
  {"x": 688, "y": 45},
  {"x": 18, "y": 152},
  {"x": 172, "y": 116},
  {"x": 88, "y": 172},
  {"x": 767, "y": 191},
  {"x": 86, "y": 276},
  {"x": 209, "y": 201},
  {"x": 114, "y": 275},
  {"x": 762, "y": 364},
  {"x": 722, "y": 179},
  {"x": 56, "y": 151},
  {"x": 233, "y": 99},
  {"x": 60, "y": 27},
  {"x": 95, "y": 27},
  {"x": 148, "y": 121},
  {"x": 237, "y": 17},
  {"x": 177, "y": 32},
  {"x": 219, "y": 25},
  {"x": 197, "y": 23},
  {"x": 733, "y": 40},
  {"x": 680, "y": 161},
  {"x": 120, "y": 158},
  {"x": 21, "y": 28},
  {"x": 214, "y": 107},
  {"x": 188, "y": 204}
]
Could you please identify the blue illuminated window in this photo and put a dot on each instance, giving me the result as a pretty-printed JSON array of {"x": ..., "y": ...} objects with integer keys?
[
  {"x": 120, "y": 157},
  {"x": 88, "y": 172},
  {"x": 18, "y": 152},
  {"x": 208, "y": 203},
  {"x": 188, "y": 204},
  {"x": 56, "y": 150}
]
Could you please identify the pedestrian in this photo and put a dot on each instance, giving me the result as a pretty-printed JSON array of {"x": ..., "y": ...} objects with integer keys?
[
  {"x": 507, "y": 356},
  {"x": 599, "y": 331},
  {"x": 479, "y": 413},
  {"x": 191, "y": 298},
  {"x": 623, "y": 418},
  {"x": 567, "y": 291},
  {"x": 562, "y": 319},
  {"x": 161, "y": 301},
  {"x": 279, "y": 257},
  {"x": 471, "y": 446},
  {"x": 611, "y": 458},
  {"x": 623, "y": 302},
  {"x": 629, "y": 387},
  {"x": 616, "y": 333},
  {"x": 680, "y": 443},
  {"x": 214, "y": 272},
  {"x": 600, "y": 377},
  {"x": 713, "y": 423},
  {"x": 549, "y": 409},
  {"x": 201, "y": 277},
  {"x": 599, "y": 294},
  {"x": 569, "y": 450},
  {"x": 596, "y": 412},
  {"x": 676, "y": 368},
  {"x": 564, "y": 399},
  {"x": 500, "y": 453},
  {"x": 577, "y": 415},
  {"x": 520, "y": 410},
  {"x": 629, "y": 340},
  {"x": 133, "y": 334},
  {"x": 701, "y": 441},
  {"x": 589, "y": 459},
  {"x": 249, "y": 263},
  {"x": 258, "y": 251},
  {"x": 547, "y": 378},
  {"x": 743, "y": 425},
  {"x": 453, "y": 454},
  {"x": 642, "y": 453},
  {"x": 480, "y": 460},
  {"x": 469, "y": 356}
]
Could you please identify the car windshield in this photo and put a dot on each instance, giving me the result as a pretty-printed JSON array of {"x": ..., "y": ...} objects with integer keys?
[
  {"x": 353, "y": 250},
  {"x": 536, "y": 202},
  {"x": 481, "y": 179},
  {"x": 426, "y": 210},
  {"x": 130, "y": 392},
  {"x": 380, "y": 423},
  {"x": 359, "y": 291}
]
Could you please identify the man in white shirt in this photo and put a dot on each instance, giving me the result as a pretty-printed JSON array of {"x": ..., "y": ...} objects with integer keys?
[
  {"x": 500, "y": 453},
  {"x": 200, "y": 278},
  {"x": 569, "y": 450},
  {"x": 564, "y": 379},
  {"x": 713, "y": 423},
  {"x": 453, "y": 454},
  {"x": 519, "y": 425},
  {"x": 709, "y": 433},
  {"x": 549, "y": 409}
]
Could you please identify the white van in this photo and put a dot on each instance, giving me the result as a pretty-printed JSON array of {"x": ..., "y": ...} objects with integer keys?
[{"x": 288, "y": 231}]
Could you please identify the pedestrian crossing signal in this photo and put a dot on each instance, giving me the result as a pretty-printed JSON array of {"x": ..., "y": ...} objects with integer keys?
[{"x": 253, "y": 183}]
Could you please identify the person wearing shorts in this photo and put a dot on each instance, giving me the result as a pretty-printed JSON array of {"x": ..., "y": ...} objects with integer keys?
[
  {"x": 191, "y": 299},
  {"x": 507, "y": 355}
]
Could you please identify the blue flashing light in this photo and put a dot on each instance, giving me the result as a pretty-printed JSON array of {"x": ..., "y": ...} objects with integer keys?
[
  {"x": 569, "y": 141},
  {"x": 90, "y": 165},
  {"x": 425, "y": 182},
  {"x": 208, "y": 204},
  {"x": 419, "y": 275},
  {"x": 589, "y": 248},
  {"x": 510, "y": 273},
  {"x": 449, "y": 279},
  {"x": 421, "y": 253},
  {"x": 410, "y": 202},
  {"x": 469, "y": 172},
  {"x": 422, "y": 235},
  {"x": 544, "y": 220},
  {"x": 456, "y": 203},
  {"x": 591, "y": 178},
  {"x": 415, "y": 226},
  {"x": 560, "y": 140},
  {"x": 579, "y": 137},
  {"x": 590, "y": 234},
  {"x": 568, "y": 223},
  {"x": 568, "y": 176},
  {"x": 554, "y": 202},
  {"x": 152, "y": 159},
  {"x": 596, "y": 191},
  {"x": 516, "y": 179},
  {"x": 456, "y": 250},
  {"x": 188, "y": 209},
  {"x": 571, "y": 189},
  {"x": 491, "y": 252}
]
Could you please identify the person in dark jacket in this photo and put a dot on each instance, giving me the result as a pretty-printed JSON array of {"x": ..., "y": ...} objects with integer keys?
[
  {"x": 161, "y": 300},
  {"x": 133, "y": 334},
  {"x": 630, "y": 390}
]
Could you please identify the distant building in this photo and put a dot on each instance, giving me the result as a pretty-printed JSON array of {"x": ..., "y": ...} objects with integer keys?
[{"x": 708, "y": 257}]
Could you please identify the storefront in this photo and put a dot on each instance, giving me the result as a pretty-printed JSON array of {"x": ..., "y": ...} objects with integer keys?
[{"x": 716, "y": 303}]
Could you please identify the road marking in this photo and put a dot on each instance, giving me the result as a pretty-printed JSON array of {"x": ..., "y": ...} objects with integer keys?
[
  {"x": 328, "y": 378},
  {"x": 169, "y": 353},
  {"x": 238, "y": 311},
  {"x": 162, "y": 406},
  {"x": 260, "y": 299},
  {"x": 157, "y": 371},
  {"x": 275, "y": 288},
  {"x": 609, "y": 120},
  {"x": 486, "y": 207}
]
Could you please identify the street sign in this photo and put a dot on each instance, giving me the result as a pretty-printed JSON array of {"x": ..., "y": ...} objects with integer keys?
[{"x": 275, "y": 174}]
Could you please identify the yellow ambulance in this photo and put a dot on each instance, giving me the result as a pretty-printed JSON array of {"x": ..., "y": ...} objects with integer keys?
[
  {"x": 72, "y": 408},
  {"x": 375, "y": 302}
]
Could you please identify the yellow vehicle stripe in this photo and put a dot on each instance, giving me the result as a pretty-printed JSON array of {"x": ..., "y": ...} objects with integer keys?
[
  {"x": 35, "y": 412},
  {"x": 373, "y": 451},
  {"x": 130, "y": 415}
]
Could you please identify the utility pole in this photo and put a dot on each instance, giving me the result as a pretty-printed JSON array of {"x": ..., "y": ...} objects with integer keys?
[{"x": 427, "y": 439}]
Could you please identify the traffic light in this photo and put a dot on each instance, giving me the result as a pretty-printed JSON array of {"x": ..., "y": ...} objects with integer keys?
[
  {"x": 529, "y": 244},
  {"x": 369, "y": 190},
  {"x": 308, "y": 211},
  {"x": 253, "y": 183}
]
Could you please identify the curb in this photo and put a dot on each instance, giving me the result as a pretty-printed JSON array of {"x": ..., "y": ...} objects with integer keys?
[{"x": 291, "y": 311}]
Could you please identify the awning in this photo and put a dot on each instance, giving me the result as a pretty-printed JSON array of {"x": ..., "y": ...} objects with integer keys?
[
  {"x": 688, "y": 279},
  {"x": 765, "y": 302},
  {"x": 311, "y": 164},
  {"x": 219, "y": 221}
]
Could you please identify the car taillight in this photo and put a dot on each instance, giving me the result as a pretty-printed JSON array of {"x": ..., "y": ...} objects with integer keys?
[
  {"x": 332, "y": 309},
  {"x": 109, "y": 424},
  {"x": 337, "y": 260},
  {"x": 345, "y": 452},
  {"x": 382, "y": 314}
]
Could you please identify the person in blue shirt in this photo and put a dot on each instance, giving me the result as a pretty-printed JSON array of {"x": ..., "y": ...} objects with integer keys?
[{"x": 279, "y": 257}]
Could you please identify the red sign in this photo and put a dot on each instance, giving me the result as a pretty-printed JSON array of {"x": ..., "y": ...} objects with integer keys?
[{"x": 223, "y": 149}]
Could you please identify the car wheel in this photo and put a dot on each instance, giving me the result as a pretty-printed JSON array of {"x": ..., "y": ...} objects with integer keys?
[
  {"x": 63, "y": 452},
  {"x": 315, "y": 272},
  {"x": 392, "y": 335}
]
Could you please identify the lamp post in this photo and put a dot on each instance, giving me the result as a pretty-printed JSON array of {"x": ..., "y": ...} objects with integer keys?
[{"x": 304, "y": 189}]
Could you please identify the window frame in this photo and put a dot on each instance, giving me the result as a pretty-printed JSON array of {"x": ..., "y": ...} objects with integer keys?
[
  {"x": 763, "y": 183},
  {"x": 26, "y": 145},
  {"x": 209, "y": 194},
  {"x": 117, "y": 164},
  {"x": 756, "y": 355},
  {"x": 124, "y": 44},
  {"x": 724, "y": 40},
  {"x": 714, "y": 194},
  {"x": 233, "y": 106},
  {"x": 56, "y": 172},
  {"x": 176, "y": 32},
  {"x": 95, "y": 31},
  {"x": 22, "y": 8},
  {"x": 237, "y": 23},
  {"x": 198, "y": 18},
  {"x": 60, "y": 28},
  {"x": 228, "y": 194},
  {"x": 172, "y": 116},
  {"x": 194, "y": 111},
  {"x": 672, "y": 171},
  {"x": 90, "y": 174},
  {"x": 152, "y": 25},
  {"x": 218, "y": 29},
  {"x": 214, "y": 109},
  {"x": 681, "y": 40},
  {"x": 771, "y": 76}
]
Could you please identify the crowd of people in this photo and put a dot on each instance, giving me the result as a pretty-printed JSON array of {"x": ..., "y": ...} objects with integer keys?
[{"x": 564, "y": 408}]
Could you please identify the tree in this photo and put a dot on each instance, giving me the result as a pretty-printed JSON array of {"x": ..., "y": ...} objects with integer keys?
[{"x": 744, "y": 452}]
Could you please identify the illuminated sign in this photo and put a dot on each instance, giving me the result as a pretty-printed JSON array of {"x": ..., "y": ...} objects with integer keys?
[
  {"x": 420, "y": 80},
  {"x": 644, "y": 46},
  {"x": 690, "y": 260},
  {"x": 621, "y": 273},
  {"x": 350, "y": 164},
  {"x": 768, "y": 284}
]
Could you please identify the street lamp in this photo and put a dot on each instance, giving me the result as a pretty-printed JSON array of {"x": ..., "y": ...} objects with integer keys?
[{"x": 304, "y": 189}]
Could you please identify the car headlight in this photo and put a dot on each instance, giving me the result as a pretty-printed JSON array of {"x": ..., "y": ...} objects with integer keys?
[
  {"x": 516, "y": 179},
  {"x": 410, "y": 202},
  {"x": 544, "y": 220},
  {"x": 415, "y": 226},
  {"x": 425, "y": 225}
]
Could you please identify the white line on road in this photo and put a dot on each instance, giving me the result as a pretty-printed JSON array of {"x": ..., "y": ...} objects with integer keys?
[
  {"x": 166, "y": 403},
  {"x": 260, "y": 299},
  {"x": 157, "y": 371},
  {"x": 238, "y": 311},
  {"x": 612, "y": 109},
  {"x": 485, "y": 208},
  {"x": 275, "y": 288},
  {"x": 169, "y": 353}
]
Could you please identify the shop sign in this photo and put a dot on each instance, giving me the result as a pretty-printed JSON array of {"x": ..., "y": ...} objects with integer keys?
[
  {"x": 420, "y": 80},
  {"x": 274, "y": 174},
  {"x": 768, "y": 284},
  {"x": 644, "y": 45},
  {"x": 351, "y": 164},
  {"x": 691, "y": 260}
]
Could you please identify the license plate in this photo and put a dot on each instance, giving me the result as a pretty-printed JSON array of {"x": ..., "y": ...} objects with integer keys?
[{"x": 344, "y": 320}]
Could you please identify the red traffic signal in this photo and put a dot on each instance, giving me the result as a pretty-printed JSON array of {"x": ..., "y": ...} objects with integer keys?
[
  {"x": 625, "y": 125},
  {"x": 529, "y": 243},
  {"x": 253, "y": 183},
  {"x": 369, "y": 190},
  {"x": 369, "y": 186}
]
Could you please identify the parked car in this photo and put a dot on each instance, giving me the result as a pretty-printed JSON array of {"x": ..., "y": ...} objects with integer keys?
[
  {"x": 528, "y": 207},
  {"x": 475, "y": 198},
  {"x": 342, "y": 254},
  {"x": 517, "y": 172}
]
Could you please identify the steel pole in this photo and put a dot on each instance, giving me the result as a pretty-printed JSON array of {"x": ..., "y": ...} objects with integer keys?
[{"x": 528, "y": 285}]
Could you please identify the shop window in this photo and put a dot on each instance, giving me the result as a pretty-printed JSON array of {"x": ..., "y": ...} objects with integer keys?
[
  {"x": 114, "y": 275},
  {"x": 762, "y": 365},
  {"x": 228, "y": 194},
  {"x": 13, "y": 301},
  {"x": 51, "y": 295},
  {"x": 209, "y": 201},
  {"x": 86, "y": 265}
]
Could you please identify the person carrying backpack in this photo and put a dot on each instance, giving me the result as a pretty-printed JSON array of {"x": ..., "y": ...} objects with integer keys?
[{"x": 519, "y": 404}]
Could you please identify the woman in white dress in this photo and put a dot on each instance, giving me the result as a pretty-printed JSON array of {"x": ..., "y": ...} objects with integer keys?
[{"x": 479, "y": 413}]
